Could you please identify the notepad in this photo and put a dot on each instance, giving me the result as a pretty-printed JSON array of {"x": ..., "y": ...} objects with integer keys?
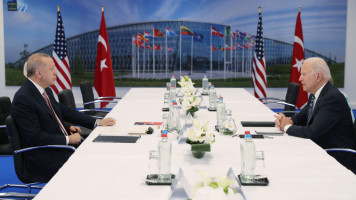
[
  {"x": 116, "y": 139},
  {"x": 257, "y": 124},
  {"x": 269, "y": 132}
]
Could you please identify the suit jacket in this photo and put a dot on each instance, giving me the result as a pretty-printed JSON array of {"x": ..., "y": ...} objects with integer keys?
[
  {"x": 38, "y": 126},
  {"x": 330, "y": 125}
]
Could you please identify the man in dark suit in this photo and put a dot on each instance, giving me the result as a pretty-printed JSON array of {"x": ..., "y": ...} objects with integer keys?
[
  {"x": 326, "y": 119},
  {"x": 40, "y": 120}
]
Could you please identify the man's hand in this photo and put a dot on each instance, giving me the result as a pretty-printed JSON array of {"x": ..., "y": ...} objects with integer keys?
[
  {"x": 279, "y": 117},
  {"x": 284, "y": 122},
  {"x": 74, "y": 139},
  {"x": 74, "y": 129},
  {"x": 107, "y": 121}
]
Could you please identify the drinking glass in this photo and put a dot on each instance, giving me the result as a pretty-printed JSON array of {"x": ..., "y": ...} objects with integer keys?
[
  {"x": 152, "y": 162},
  {"x": 260, "y": 166}
]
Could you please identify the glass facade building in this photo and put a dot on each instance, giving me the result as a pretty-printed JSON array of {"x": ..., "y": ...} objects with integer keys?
[{"x": 159, "y": 57}]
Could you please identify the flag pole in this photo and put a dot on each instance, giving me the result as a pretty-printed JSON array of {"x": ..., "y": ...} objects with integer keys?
[
  {"x": 138, "y": 57},
  {"x": 180, "y": 52},
  {"x": 211, "y": 54},
  {"x": 191, "y": 58},
  {"x": 153, "y": 55},
  {"x": 166, "y": 54}
]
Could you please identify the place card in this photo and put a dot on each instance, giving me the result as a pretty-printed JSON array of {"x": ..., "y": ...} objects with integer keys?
[{"x": 180, "y": 187}]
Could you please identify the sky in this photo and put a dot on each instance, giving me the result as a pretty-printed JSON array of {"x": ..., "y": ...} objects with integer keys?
[{"x": 323, "y": 21}]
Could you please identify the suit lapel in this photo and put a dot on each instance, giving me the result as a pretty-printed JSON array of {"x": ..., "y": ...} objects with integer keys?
[
  {"x": 39, "y": 98},
  {"x": 321, "y": 95}
]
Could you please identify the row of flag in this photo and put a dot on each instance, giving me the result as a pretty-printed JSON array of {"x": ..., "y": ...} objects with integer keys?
[
  {"x": 104, "y": 76},
  {"x": 104, "y": 80}
]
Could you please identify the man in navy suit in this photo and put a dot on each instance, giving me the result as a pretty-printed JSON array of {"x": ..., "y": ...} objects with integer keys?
[
  {"x": 40, "y": 120},
  {"x": 326, "y": 119}
]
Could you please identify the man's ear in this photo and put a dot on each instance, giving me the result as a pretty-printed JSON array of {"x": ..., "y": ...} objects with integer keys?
[{"x": 38, "y": 73}]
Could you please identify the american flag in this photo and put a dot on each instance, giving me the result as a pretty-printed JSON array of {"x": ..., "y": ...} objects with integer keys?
[
  {"x": 60, "y": 58},
  {"x": 259, "y": 64}
]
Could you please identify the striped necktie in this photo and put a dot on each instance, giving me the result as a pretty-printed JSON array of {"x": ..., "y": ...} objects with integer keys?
[
  {"x": 51, "y": 108},
  {"x": 310, "y": 108}
]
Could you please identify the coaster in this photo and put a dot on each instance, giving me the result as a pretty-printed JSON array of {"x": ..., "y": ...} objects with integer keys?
[
  {"x": 257, "y": 182},
  {"x": 152, "y": 179}
]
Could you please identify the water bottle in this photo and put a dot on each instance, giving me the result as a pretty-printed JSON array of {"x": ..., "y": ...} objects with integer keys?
[
  {"x": 164, "y": 159},
  {"x": 173, "y": 81},
  {"x": 172, "y": 95},
  {"x": 248, "y": 161},
  {"x": 205, "y": 85},
  {"x": 173, "y": 118},
  {"x": 220, "y": 113},
  {"x": 212, "y": 98}
]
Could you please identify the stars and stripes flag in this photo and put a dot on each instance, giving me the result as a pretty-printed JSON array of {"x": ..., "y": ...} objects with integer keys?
[
  {"x": 60, "y": 58},
  {"x": 297, "y": 61},
  {"x": 104, "y": 76},
  {"x": 259, "y": 78}
]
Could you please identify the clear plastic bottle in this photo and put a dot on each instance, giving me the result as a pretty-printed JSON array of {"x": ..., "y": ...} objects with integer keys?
[
  {"x": 212, "y": 98},
  {"x": 220, "y": 113},
  {"x": 172, "y": 95},
  {"x": 173, "y": 118},
  {"x": 164, "y": 159},
  {"x": 205, "y": 85},
  {"x": 248, "y": 161},
  {"x": 173, "y": 81}
]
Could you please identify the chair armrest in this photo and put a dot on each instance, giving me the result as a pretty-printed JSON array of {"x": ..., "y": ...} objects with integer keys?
[
  {"x": 101, "y": 98},
  {"x": 281, "y": 102},
  {"x": 341, "y": 149},
  {"x": 270, "y": 98},
  {"x": 99, "y": 101},
  {"x": 42, "y": 147},
  {"x": 94, "y": 110},
  {"x": 17, "y": 195}
]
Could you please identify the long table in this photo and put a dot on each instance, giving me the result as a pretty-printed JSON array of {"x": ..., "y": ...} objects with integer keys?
[{"x": 296, "y": 168}]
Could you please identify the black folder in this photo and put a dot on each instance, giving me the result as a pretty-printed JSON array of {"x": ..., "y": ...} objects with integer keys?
[
  {"x": 116, "y": 139},
  {"x": 257, "y": 124}
]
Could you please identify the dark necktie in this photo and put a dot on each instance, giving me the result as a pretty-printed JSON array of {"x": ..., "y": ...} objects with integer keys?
[
  {"x": 51, "y": 108},
  {"x": 310, "y": 108}
]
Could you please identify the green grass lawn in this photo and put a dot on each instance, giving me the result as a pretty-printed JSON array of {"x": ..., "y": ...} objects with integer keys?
[{"x": 277, "y": 76}]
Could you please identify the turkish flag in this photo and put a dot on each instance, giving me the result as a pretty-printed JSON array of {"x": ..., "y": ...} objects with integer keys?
[
  {"x": 104, "y": 76},
  {"x": 297, "y": 61}
]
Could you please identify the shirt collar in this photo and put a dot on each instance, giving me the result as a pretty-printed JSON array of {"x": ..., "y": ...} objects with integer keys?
[
  {"x": 317, "y": 93},
  {"x": 39, "y": 88}
]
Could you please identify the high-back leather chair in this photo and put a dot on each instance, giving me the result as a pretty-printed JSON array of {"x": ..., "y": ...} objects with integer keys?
[
  {"x": 88, "y": 96},
  {"x": 5, "y": 105}
]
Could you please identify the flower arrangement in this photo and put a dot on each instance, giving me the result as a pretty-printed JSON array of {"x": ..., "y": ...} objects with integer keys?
[
  {"x": 199, "y": 134},
  {"x": 215, "y": 188},
  {"x": 199, "y": 138},
  {"x": 189, "y": 101}
]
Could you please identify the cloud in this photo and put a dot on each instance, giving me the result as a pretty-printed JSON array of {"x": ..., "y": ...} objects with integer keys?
[{"x": 167, "y": 9}]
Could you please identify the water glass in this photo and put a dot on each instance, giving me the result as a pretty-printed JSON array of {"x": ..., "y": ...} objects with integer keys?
[
  {"x": 228, "y": 113},
  {"x": 168, "y": 86},
  {"x": 260, "y": 165},
  {"x": 153, "y": 162}
]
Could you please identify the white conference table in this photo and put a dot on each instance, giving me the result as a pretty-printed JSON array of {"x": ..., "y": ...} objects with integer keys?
[{"x": 296, "y": 168}]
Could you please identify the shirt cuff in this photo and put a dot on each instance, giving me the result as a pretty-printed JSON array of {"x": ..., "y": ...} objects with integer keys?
[
  {"x": 286, "y": 128},
  {"x": 67, "y": 140},
  {"x": 97, "y": 122}
]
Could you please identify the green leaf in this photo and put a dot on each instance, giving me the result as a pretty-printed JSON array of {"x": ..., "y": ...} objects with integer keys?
[{"x": 214, "y": 185}]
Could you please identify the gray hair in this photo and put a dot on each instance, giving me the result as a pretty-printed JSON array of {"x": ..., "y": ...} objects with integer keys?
[
  {"x": 319, "y": 65},
  {"x": 34, "y": 61}
]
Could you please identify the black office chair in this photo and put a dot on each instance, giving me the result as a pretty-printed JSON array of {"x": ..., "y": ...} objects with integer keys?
[
  {"x": 66, "y": 98},
  {"x": 289, "y": 102},
  {"x": 5, "y": 105},
  {"x": 18, "y": 155},
  {"x": 88, "y": 96}
]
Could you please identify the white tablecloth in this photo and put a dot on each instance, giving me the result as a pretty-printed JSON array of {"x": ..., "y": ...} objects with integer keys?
[{"x": 296, "y": 168}]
